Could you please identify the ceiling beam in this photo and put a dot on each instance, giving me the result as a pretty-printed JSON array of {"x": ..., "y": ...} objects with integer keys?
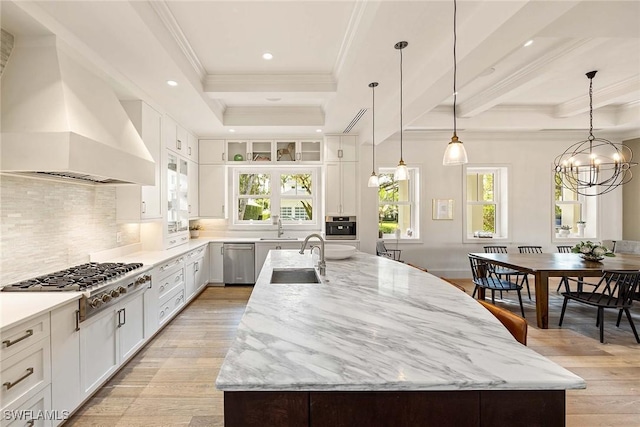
[{"x": 604, "y": 96}]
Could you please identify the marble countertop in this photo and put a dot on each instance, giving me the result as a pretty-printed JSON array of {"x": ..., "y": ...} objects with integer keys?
[
  {"x": 376, "y": 324},
  {"x": 16, "y": 307}
]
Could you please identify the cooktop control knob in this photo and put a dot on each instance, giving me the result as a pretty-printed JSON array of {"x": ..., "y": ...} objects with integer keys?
[
  {"x": 95, "y": 303},
  {"x": 122, "y": 290},
  {"x": 106, "y": 298},
  {"x": 114, "y": 293}
]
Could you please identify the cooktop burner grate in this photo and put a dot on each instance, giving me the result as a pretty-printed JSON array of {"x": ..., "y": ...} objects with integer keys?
[{"x": 77, "y": 278}]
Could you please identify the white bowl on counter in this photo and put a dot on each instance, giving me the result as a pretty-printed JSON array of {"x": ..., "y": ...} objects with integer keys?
[{"x": 338, "y": 251}]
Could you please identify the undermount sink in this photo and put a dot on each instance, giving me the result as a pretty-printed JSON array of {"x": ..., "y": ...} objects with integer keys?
[
  {"x": 278, "y": 238},
  {"x": 294, "y": 275}
]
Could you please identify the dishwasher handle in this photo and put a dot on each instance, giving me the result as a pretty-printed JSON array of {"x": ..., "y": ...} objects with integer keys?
[{"x": 239, "y": 247}]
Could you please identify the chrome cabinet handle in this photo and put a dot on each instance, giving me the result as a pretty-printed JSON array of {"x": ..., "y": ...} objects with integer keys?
[
  {"x": 196, "y": 267},
  {"x": 171, "y": 242},
  {"x": 77, "y": 320},
  {"x": 120, "y": 323},
  {"x": 189, "y": 209},
  {"x": 144, "y": 207},
  {"x": 189, "y": 150},
  {"x": 221, "y": 250},
  {"x": 179, "y": 144},
  {"x": 161, "y": 289},
  {"x": 223, "y": 157},
  {"x": 9, "y": 343},
  {"x": 340, "y": 153},
  {"x": 10, "y": 384}
]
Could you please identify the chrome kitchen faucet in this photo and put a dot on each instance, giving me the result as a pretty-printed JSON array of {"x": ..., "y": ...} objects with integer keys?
[{"x": 322, "y": 266}]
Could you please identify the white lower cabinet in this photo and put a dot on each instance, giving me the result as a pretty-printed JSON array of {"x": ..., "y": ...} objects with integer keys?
[
  {"x": 98, "y": 350},
  {"x": 25, "y": 369},
  {"x": 34, "y": 412},
  {"x": 65, "y": 358},
  {"x": 262, "y": 250},
  {"x": 216, "y": 263},
  {"x": 196, "y": 272},
  {"x": 108, "y": 339}
]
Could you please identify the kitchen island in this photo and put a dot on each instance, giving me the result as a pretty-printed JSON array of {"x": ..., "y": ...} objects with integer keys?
[{"x": 381, "y": 343}]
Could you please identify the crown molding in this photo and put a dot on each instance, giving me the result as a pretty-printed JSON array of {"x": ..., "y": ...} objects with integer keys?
[
  {"x": 171, "y": 24},
  {"x": 604, "y": 96}
]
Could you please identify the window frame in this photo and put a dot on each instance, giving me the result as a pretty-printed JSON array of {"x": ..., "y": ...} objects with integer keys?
[
  {"x": 414, "y": 203},
  {"x": 276, "y": 197},
  {"x": 501, "y": 197},
  {"x": 589, "y": 212}
]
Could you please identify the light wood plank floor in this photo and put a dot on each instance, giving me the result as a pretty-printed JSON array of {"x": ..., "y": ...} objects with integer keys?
[{"x": 171, "y": 381}]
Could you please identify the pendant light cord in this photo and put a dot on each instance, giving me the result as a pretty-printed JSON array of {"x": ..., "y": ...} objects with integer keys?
[
  {"x": 455, "y": 66},
  {"x": 373, "y": 127},
  {"x": 401, "y": 105},
  {"x": 591, "y": 137}
]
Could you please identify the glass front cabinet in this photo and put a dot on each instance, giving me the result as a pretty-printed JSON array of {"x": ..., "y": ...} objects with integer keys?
[{"x": 177, "y": 225}]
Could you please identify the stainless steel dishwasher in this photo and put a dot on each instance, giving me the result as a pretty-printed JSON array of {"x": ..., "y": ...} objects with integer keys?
[{"x": 239, "y": 263}]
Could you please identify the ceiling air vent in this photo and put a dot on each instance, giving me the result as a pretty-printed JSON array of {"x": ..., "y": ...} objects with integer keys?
[{"x": 355, "y": 120}]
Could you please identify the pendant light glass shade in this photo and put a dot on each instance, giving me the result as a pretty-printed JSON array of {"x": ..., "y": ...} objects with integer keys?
[
  {"x": 401, "y": 173},
  {"x": 373, "y": 179},
  {"x": 455, "y": 154}
]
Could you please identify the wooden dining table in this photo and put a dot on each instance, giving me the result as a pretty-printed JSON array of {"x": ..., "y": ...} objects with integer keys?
[{"x": 545, "y": 265}]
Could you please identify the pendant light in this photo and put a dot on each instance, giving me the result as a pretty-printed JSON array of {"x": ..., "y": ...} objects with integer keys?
[
  {"x": 401, "y": 173},
  {"x": 373, "y": 179},
  {"x": 455, "y": 154},
  {"x": 594, "y": 166}
]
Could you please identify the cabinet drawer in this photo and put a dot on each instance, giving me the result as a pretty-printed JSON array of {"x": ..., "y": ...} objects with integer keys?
[
  {"x": 34, "y": 407},
  {"x": 196, "y": 253},
  {"x": 169, "y": 284},
  {"x": 25, "y": 372},
  {"x": 170, "y": 305},
  {"x": 23, "y": 335}
]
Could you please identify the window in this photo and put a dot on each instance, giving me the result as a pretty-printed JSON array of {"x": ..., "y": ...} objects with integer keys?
[
  {"x": 398, "y": 205},
  {"x": 486, "y": 202},
  {"x": 574, "y": 215},
  {"x": 291, "y": 192}
]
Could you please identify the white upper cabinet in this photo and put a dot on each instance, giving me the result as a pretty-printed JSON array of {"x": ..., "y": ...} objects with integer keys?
[
  {"x": 296, "y": 151},
  {"x": 212, "y": 191},
  {"x": 192, "y": 147},
  {"x": 176, "y": 138},
  {"x": 194, "y": 209},
  {"x": 341, "y": 148},
  {"x": 290, "y": 151},
  {"x": 212, "y": 151},
  {"x": 134, "y": 202}
]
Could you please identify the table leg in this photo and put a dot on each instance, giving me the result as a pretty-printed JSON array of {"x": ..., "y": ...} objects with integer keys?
[{"x": 542, "y": 299}]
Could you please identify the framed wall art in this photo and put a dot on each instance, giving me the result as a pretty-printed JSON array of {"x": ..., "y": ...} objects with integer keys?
[{"x": 442, "y": 209}]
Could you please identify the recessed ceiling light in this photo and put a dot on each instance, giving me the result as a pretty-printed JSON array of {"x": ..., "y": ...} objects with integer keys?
[
  {"x": 529, "y": 43},
  {"x": 232, "y": 130},
  {"x": 318, "y": 130},
  {"x": 172, "y": 83},
  {"x": 267, "y": 56}
]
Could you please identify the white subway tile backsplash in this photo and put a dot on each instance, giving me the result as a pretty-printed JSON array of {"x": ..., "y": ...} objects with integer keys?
[{"x": 49, "y": 225}]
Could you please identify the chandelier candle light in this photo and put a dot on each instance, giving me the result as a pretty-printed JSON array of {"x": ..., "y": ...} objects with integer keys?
[
  {"x": 373, "y": 179},
  {"x": 594, "y": 166},
  {"x": 455, "y": 154},
  {"x": 401, "y": 173}
]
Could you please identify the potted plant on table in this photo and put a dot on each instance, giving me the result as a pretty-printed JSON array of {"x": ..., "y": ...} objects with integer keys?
[
  {"x": 194, "y": 230},
  {"x": 591, "y": 251}
]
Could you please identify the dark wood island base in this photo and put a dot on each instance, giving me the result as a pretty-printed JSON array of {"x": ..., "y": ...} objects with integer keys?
[{"x": 492, "y": 408}]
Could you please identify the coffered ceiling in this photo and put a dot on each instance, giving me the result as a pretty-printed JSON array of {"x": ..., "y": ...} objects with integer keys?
[{"x": 325, "y": 53}]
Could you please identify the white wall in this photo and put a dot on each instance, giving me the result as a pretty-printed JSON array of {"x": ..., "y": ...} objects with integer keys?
[
  {"x": 530, "y": 157},
  {"x": 631, "y": 194}
]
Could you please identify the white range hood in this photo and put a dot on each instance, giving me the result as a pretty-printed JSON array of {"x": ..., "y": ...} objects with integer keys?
[{"x": 59, "y": 119}]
